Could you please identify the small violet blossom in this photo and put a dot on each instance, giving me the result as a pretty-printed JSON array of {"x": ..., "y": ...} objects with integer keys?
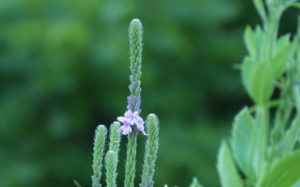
[{"x": 129, "y": 119}]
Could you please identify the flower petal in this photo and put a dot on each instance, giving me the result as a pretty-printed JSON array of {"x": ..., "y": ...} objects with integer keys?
[
  {"x": 127, "y": 114},
  {"x": 139, "y": 121},
  {"x": 141, "y": 129},
  {"x": 121, "y": 119},
  {"x": 136, "y": 114},
  {"x": 125, "y": 129}
]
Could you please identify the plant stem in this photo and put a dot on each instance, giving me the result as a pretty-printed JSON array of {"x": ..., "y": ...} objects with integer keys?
[
  {"x": 263, "y": 121},
  {"x": 291, "y": 135},
  {"x": 131, "y": 160}
]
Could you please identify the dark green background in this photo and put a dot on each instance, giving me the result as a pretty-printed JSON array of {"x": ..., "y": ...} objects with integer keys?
[{"x": 64, "y": 69}]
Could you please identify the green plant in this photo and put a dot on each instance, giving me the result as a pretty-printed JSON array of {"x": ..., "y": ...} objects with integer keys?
[
  {"x": 262, "y": 146},
  {"x": 132, "y": 124}
]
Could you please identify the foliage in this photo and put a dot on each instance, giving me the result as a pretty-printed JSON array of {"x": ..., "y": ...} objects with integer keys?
[
  {"x": 63, "y": 65},
  {"x": 132, "y": 123},
  {"x": 263, "y": 144}
]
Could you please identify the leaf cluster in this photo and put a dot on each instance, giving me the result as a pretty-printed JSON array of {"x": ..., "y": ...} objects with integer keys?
[{"x": 262, "y": 150}]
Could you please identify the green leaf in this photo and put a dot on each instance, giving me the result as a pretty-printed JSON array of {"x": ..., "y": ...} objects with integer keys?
[
  {"x": 282, "y": 42},
  {"x": 262, "y": 82},
  {"x": 297, "y": 184},
  {"x": 253, "y": 40},
  {"x": 243, "y": 142},
  {"x": 250, "y": 41},
  {"x": 247, "y": 71},
  {"x": 259, "y": 5},
  {"x": 295, "y": 5},
  {"x": 283, "y": 173},
  {"x": 226, "y": 168},
  {"x": 258, "y": 79},
  {"x": 283, "y": 53}
]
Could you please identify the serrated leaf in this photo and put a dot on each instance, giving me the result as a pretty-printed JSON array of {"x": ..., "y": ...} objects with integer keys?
[
  {"x": 227, "y": 169},
  {"x": 243, "y": 142},
  {"x": 284, "y": 172}
]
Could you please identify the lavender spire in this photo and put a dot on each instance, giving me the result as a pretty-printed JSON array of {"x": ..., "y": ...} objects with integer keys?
[{"x": 131, "y": 117}]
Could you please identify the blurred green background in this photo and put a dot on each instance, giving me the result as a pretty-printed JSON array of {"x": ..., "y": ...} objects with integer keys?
[{"x": 64, "y": 69}]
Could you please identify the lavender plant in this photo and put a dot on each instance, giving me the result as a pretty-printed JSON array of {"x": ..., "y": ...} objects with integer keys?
[
  {"x": 131, "y": 124},
  {"x": 262, "y": 150}
]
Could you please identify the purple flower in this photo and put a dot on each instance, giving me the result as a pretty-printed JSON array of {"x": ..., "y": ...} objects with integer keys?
[
  {"x": 130, "y": 119},
  {"x": 125, "y": 129}
]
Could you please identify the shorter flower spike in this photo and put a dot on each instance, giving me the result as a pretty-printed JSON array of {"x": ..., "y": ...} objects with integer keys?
[
  {"x": 114, "y": 137},
  {"x": 111, "y": 160},
  {"x": 99, "y": 145},
  {"x": 151, "y": 148}
]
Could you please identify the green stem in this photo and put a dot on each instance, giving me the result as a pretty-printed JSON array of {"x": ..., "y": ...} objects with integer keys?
[
  {"x": 263, "y": 121},
  {"x": 283, "y": 113},
  {"x": 130, "y": 167},
  {"x": 272, "y": 104},
  {"x": 291, "y": 136},
  {"x": 271, "y": 29},
  {"x": 285, "y": 108}
]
